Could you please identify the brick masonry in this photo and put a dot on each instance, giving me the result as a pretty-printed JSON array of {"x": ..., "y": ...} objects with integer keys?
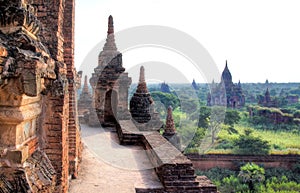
[
  {"x": 205, "y": 162},
  {"x": 39, "y": 129}
]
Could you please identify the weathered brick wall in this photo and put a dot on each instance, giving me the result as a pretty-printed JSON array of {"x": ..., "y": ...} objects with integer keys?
[
  {"x": 205, "y": 162},
  {"x": 38, "y": 82},
  {"x": 51, "y": 15},
  {"x": 74, "y": 133},
  {"x": 55, "y": 121}
]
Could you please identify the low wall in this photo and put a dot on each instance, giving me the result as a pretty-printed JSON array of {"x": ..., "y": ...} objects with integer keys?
[
  {"x": 175, "y": 171},
  {"x": 205, "y": 162}
]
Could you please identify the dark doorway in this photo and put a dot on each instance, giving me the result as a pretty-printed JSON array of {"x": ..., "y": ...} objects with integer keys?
[{"x": 110, "y": 108}]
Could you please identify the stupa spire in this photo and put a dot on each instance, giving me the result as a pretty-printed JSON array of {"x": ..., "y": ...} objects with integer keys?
[
  {"x": 170, "y": 126},
  {"x": 142, "y": 74},
  {"x": 141, "y": 100},
  {"x": 110, "y": 50},
  {"x": 142, "y": 86},
  {"x": 85, "y": 86},
  {"x": 170, "y": 131},
  {"x": 110, "y": 25}
]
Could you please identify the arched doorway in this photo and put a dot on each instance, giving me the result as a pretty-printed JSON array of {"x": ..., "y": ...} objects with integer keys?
[{"x": 110, "y": 108}]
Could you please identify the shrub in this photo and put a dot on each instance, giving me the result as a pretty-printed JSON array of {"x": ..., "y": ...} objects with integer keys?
[{"x": 248, "y": 144}]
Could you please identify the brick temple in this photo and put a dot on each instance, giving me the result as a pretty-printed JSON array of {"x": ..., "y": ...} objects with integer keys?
[
  {"x": 40, "y": 142},
  {"x": 226, "y": 93}
]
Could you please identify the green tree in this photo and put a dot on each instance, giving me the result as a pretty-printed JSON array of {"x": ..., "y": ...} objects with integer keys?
[
  {"x": 252, "y": 174},
  {"x": 217, "y": 117},
  {"x": 232, "y": 117},
  {"x": 251, "y": 145},
  {"x": 168, "y": 99},
  {"x": 204, "y": 117}
]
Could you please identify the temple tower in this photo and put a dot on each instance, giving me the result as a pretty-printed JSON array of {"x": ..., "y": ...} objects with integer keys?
[
  {"x": 141, "y": 101},
  {"x": 142, "y": 106},
  {"x": 85, "y": 102},
  {"x": 226, "y": 93},
  {"x": 170, "y": 130},
  {"x": 110, "y": 83}
]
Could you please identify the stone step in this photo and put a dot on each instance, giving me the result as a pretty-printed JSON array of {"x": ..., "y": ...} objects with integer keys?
[{"x": 181, "y": 183}]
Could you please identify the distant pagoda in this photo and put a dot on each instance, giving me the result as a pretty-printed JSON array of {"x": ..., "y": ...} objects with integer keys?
[{"x": 85, "y": 101}]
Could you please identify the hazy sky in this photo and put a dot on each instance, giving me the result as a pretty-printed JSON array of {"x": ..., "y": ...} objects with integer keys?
[{"x": 259, "y": 38}]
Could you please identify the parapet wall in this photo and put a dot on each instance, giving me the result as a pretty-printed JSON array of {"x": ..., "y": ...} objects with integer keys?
[{"x": 206, "y": 162}]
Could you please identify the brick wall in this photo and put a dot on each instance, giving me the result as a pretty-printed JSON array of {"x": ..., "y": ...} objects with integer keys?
[
  {"x": 74, "y": 133},
  {"x": 55, "y": 120},
  {"x": 205, "y": 162}
]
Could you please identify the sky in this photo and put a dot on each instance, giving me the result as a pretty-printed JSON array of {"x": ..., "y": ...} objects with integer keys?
[{"x": 260, "y": 39}]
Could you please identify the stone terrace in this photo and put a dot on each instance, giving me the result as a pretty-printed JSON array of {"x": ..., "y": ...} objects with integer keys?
[{"x": 109, "y": 167}]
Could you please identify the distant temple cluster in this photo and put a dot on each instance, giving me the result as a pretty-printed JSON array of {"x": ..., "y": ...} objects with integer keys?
[{"x": 226, "y": 93}]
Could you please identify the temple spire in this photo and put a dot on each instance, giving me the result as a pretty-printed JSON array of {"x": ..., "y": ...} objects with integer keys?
[
  {"x": 142, "y": 86},
  {"x": 85, "y": 86},
  {"x": 110, "y": 25},
  {"x": 142, "y": 74},
  {"x": 170, "y": 131},
  {"x": 109, "y": 51},
  {"x": 170, "y": 126}
]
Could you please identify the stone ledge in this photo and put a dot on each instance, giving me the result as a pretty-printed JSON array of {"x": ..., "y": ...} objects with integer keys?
[{"x": 174, "y": 170}]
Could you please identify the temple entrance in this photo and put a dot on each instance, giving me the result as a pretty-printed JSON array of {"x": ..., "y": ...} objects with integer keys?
[{"x": 110, "y": 108}]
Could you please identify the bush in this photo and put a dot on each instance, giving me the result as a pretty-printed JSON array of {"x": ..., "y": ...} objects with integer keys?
[
  {"x": 233, "y": 184},
  {"x": 216, "y": 174},
  {"x": 248, "y": 144}
]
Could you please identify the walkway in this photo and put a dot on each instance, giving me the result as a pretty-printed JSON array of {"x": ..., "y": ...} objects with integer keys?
[{"x": 109, "y": 167}]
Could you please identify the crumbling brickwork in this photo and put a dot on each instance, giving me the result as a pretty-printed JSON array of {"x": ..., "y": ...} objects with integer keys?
[{"x": 37, "y": 95}]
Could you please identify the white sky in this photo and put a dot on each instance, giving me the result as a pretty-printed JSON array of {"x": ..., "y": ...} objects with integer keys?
[{"x": 259, "y": 38}]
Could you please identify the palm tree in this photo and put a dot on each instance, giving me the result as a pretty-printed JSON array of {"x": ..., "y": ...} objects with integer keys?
[{"x": 250, "y": 174}]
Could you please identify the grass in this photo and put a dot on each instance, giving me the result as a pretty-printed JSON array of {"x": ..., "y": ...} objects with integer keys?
[{"x": 282, "y": 142}]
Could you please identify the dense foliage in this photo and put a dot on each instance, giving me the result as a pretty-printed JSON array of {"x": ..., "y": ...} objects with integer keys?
[
  {"x": 206, "y": 129},
  {"x": 255, "y": 179}
]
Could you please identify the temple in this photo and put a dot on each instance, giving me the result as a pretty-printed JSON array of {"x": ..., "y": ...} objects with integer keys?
[
  {"x": 267, "y": 101},
  {"x": 110, "y": 83},
  {"x": 226, "y": 93}
]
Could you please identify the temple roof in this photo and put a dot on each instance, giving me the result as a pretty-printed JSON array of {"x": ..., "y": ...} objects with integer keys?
[{"x": 226, "y": 75}]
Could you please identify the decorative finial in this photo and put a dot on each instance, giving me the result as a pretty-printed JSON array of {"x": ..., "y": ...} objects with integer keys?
[
  {"x": 110, "y": 25},
  {"x": 142, "y": 74}
]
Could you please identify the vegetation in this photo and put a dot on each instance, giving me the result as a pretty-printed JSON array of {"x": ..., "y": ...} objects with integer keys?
[
  {"x": 216, "y": 130},
  {"x": 232, "y": 131},
  {"x": 254, "y": 179}
]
